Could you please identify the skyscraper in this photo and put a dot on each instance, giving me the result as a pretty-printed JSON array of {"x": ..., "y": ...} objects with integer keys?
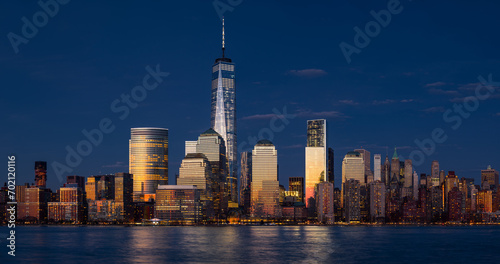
[
  {"x": 316, "y": 157},
  {"x": 395, "y": 167},
  {"x": 245, "y": 178},
  {"x": 353, "y": 168},
  {"x": 408, "y": 181},
  {"x": 491, "y": 177},
  {"x": 377, "y": 200},
  {"x": 265, "y": 185},
  {"x": 324, "y": 203},
  {"x": 40, "y": 174},
  {"x": 296, "y": 184},
  {"x": 148, "y": 160},
  {"x": 223, "y": 112},
  {"x": 435, "y": 169},
  {"x": 331, "y": 166},
  {"x": 365, "y": 154},
  {"x": 377, "y": 159}
]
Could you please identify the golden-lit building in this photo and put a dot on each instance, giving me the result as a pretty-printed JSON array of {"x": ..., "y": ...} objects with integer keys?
[
  {"x": 316, "y": 158},
  {"x": 70, "y": 207},
  {"x": 178, "y": 204},
  {"x": 265, "y": 185},
  {"x": 353, "y": 168},
  {"x": 491, "y": 177},
  {"x": 148, "y": 160},
  {"x": 324, "y": 203}
]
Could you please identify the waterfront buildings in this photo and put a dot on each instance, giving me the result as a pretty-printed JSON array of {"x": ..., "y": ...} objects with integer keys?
[
  {"x": 491, "y": 177},
  {"x": 40, "y": 174},
  {"x": 296, "y": 184},
  {"x": 377, "y": 171},
  {"x": 148, "y": 160},
  {"x": 245, "y": 178},
  {"x": 324, "y": 203},
  {"x": 178, "y": 204}
]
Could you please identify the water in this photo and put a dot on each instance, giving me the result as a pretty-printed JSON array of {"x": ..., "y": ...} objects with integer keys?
[{"x": 254, "y": 244}]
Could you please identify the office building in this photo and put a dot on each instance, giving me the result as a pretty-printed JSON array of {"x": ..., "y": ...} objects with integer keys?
[
  {"x": 178, "y": 204},
  {"x": 148, "y": 160},
  {"x": 265, "y": 185},
  {"x": 377, "y": 170},
  {"x": 245, "y": 178},
  {"x": 40, "y": 174},
  {"x": 352, "y": 201},
  {"x": 316, "y": 158},
  {"x": 353, "y": 168},
  {"x": 491, "y": 177},
  {"x": 296, "y": 184},
  {"x": 223, "y": 113},
  {"x": 377, "y": 201},
  {"x": 324, "y": 203}
]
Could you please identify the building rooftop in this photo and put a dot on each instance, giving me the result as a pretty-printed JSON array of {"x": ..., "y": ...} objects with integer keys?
[{"x": 264, "y": 142}]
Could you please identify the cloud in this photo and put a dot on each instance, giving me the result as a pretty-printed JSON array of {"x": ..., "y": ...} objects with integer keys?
[
  {"x": 497, "y": 114},
  {"x": 469, "y": 86},
  {"x": 391, "y": 101},
  {"x": 348, "y": 102},
  {"x": 259, "y": 117},
  {"x": 117, "y": 164},
  {"x": 294, "y": 146},
  {"x": 435, "y": 109},
  {"x": 324, "y": 114},
  {"x": 441, "y": 91},
  {"x": 308, "y": 73},
  {"x": 435, "y": 84}
]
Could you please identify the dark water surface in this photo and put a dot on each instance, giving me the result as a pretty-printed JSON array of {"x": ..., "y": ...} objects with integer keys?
[{"x": 254, "y": 244}]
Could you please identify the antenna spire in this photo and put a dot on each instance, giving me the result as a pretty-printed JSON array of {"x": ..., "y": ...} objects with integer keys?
[{"x": 223, "y": 43}]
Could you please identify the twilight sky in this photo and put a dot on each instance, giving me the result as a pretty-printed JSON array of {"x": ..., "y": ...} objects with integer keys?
[{"x": 394, "y": 91}]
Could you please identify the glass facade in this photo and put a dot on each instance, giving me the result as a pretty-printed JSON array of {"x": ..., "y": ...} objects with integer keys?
[
  {"x": 246, "y": 175},
  {"x": 316, "y": 157},
  {"x": 178, "y": 204},
  {"x": 353, "y": 168},
  {"x": 223, "y": 115},
  {"x": 265, "y": 185},
  {"x": 40, "y": 173},
  {"x": 148, "y": 160}
]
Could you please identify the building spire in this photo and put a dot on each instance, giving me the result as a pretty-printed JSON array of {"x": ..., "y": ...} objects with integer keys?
[
  {"x": 395, "y": 156},
  {"x": 223, "y": 34}
]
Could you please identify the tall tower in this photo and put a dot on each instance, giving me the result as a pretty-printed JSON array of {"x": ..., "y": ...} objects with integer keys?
[
  {"x": 148, "y": 160},
  {"x": 40, "y": 173},
  {"x": 377, "y": 171},
  {"x": 316, "y": 157},
  {"x": 223, "y": 112}
]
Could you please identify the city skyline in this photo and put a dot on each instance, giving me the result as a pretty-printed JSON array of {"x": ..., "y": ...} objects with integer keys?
[{"x": 342, "y": 110}]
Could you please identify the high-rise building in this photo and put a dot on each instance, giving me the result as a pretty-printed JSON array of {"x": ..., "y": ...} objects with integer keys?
[
  {"x": 211, "y": 144},
  {"x": 491, "y": 177},
  {"x": 265, "y": 185},
  {"x": 365, "y": 154},
  {"x": 178, "y": 204},
  {"x": 455, "y": 205},
  {"x": 40, "y": 174},
  {"x": 386, "y": 169},
  {"x": 70, "y": 207},
  {"x": 331, "y": 166},
  {"x": 124, "y": 188},
  {"x": 316, "y": 158},
  {"x": 395, "y": 167},
  {"x": 435, "y": 169},
  {"x": 32, "y": 207},
  {"x": 245, "y": 178},
  {"x": 353, "y": 168},
  {"x": 324, "y": 203},
  {"x": 195, "y": 170},
  {"x": 408, "y": 179},
  {"x": 223, "y": 112},
  {"x": 377, "y": 201},
  {"x": 377, "y": 171},
  {"x": 148, "y": 160},
  {"x": 415, "y": 185},
  {"x": 351, "y": 201},
  {"x": 296, "y": 184},
  {"x": 190, "y": 147},
  {"x": 100, "y": 187},
  {"x": 78, "y": 180}
]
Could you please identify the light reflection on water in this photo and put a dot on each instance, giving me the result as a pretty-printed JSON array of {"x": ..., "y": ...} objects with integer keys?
[{"x": 254, "y": 244}]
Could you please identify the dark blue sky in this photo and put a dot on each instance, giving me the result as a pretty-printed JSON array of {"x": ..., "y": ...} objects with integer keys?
[{"x": 287, "y": 54}]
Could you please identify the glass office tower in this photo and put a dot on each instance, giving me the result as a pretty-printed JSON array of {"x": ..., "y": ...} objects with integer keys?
[
  {"x": 223, "y": 113},
  {"x": 265, "y": 185},
  {"x": 316, "y": 157},
  {"x": 148, "y": 160}
]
